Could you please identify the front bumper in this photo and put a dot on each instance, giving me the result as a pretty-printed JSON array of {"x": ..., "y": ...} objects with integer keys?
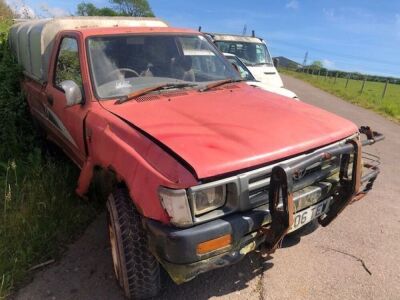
[{"x": 267, "y": 224}]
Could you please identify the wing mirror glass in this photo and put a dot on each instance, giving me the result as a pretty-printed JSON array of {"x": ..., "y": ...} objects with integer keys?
[{"x": 72, "y": 91}]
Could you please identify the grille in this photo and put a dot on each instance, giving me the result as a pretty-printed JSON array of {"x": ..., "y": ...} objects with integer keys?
[
  {"x": 314, "y": 175},
  {"x": 146, "y": 98}
]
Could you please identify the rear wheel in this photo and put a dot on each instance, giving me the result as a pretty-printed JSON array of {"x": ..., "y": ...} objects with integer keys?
[{"x": 136, "y": 269}]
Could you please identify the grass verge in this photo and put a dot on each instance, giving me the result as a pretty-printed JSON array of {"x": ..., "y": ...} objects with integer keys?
[
  {"x": 39, "y": 212},
  {"x": 370, "y": 98},
  {"x": 39, "y": 215}
]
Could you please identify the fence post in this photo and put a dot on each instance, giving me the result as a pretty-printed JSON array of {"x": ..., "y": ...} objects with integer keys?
[
  {"x": 384, "y": 89},
  {"x": 319, "y": 73},
  {"x": 326, "y": 75},
  {"x": 335, "y": 78},
  {"x": 363, "y": 85},
  {"x": 347, "y": 81}
]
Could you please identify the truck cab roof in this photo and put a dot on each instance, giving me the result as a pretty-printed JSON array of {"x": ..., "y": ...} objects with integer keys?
[{"x": 234, "y": 37}]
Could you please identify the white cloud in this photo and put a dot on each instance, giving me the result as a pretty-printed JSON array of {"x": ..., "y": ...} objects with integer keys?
[
  {"x": 293, "y": 4},
  {"x": 54, "y": 11},
  {"x": 329, "y": 13},
  {"x": 21, "y": 9},
  {"x": 328, "y": 63}
]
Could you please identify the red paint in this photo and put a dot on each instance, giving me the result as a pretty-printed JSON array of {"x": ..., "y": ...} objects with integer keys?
[
  {"x": 223, "y": 131},
  {"x": 215, "y": 132}
]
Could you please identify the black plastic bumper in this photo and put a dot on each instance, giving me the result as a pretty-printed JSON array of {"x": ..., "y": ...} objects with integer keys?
[{"x": 176, "y": 248}]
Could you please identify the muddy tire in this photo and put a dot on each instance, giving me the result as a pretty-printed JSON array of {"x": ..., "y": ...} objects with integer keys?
[{"x": 136, "y": 269}]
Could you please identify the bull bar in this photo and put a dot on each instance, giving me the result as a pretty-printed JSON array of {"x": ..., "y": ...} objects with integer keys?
[
  {"x": 265, "y": 226},
  {"x": 281, "y": 205}
]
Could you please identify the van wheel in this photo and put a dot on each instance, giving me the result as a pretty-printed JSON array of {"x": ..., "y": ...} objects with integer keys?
[{"x": 136, "y": 269}]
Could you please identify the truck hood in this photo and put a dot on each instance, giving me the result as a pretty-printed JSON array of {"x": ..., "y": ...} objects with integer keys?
[
  {"x": 266, "y": 74},
  {"x": 234, "y": 128}
]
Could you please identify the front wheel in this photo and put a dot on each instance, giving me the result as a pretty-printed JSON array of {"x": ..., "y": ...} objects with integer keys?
[{"x": 136, "y": 269}]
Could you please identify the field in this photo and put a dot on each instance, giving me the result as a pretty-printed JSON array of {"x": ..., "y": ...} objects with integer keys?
[
  {"x": 370, "y": 98},
  {"x": 39, "y": 212}
]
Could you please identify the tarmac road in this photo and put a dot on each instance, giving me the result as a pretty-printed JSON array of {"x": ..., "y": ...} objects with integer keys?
[{"x": 356, "y": 257}]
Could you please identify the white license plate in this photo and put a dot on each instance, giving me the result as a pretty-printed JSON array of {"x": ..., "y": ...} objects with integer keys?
[{"x": 305, "y": 216}]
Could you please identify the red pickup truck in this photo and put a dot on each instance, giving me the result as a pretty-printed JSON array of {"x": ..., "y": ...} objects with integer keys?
[{"x": 203, "y": 167}]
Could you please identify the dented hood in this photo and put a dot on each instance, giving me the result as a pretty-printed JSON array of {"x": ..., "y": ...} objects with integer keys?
[{"x": 232, "y": 128}]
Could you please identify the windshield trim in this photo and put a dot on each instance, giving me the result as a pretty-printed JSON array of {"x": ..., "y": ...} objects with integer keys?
[{"x": 183, "y": 33}]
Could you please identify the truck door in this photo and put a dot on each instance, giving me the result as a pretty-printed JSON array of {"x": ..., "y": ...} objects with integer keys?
[{"x": 66, "y": 123}]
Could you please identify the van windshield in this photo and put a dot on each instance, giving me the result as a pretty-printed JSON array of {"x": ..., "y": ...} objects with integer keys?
[
  {"x": 241, "y": 67},
  {"x": 123, "y": 64},
  {"x": 251, "y": 54}
]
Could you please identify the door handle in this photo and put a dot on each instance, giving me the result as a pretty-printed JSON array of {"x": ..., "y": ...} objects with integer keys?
[{"x": 50, "y": 100}]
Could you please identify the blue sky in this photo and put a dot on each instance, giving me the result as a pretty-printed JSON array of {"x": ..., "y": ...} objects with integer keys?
[{"x": 353, "y": 35}]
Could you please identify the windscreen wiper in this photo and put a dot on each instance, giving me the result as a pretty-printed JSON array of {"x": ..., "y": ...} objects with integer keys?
[
  {"x": 219, "y": 83},
  {"x": 163, "y": 86}
]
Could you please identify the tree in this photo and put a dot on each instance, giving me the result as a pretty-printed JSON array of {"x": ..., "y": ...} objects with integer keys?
[
  {"x": 5, "y": 11},
  {"x": 88, "y": 9},
  {"x": 135, "y": 8},
  {"x": 317, "y": 64}
]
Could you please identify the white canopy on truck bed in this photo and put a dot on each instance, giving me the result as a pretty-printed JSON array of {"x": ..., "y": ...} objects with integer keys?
[{"x": 32, "y": 41}]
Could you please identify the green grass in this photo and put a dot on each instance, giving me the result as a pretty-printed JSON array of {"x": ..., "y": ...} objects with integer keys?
[
  {"x": 39, "y": 211},
  {"x": 371, "y": 97},
  {"x": 40, "y": 214}
]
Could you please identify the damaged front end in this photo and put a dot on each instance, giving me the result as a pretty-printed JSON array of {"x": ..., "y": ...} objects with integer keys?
[
  {"x": 267, "y": 202},
  {"x": 356, "y": 178}
]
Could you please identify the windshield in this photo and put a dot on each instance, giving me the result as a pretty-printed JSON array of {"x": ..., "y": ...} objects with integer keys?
[
  {"x": 241, "y": 67},
  {"x": 123, "y": 64},
  {"x": 251, "y": 54}
]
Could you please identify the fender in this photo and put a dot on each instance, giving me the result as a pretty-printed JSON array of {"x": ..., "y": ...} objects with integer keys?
[{"x": 113, "y": 144}]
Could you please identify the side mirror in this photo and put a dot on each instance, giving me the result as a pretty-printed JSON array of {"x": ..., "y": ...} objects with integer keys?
[
  {"x": 276, "y": 62},
  {"x": 72, "y": 91}
]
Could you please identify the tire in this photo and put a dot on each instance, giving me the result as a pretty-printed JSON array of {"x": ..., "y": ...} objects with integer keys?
[{"x": 136, "y": 269}]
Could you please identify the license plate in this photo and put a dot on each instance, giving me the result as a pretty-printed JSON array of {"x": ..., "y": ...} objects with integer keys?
[{"x": 307, "y": 215}]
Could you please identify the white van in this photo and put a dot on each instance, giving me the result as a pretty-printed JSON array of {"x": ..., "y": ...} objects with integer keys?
[
  {"x": 246, "y": 74},
  {"x": 253, "y": 52}
]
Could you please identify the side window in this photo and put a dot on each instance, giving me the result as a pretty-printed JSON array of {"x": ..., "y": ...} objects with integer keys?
[
  {"x": 260, "y": 52},
  {"x": 68, "y": 66}
]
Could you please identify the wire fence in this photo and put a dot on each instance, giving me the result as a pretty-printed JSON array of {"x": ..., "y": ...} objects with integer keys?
[{"x": 335, "y": 76}]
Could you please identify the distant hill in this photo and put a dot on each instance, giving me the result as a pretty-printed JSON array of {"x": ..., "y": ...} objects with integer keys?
[{"x": 285, "y": 62}]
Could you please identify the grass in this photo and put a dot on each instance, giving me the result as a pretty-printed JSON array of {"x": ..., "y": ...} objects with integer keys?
[
  {"x": 371, "y": 97},
  {"x": 39, "y": 214},
  {"x": 39, "y": 211}
]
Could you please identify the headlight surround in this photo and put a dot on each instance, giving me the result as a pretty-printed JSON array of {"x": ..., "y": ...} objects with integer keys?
[
  {"x": 184, "y": 207},
  {"x": 206, "y": 200},
  {"x": 176, "y": 203}
]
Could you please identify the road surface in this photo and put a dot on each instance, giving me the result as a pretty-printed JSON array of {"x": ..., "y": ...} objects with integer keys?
[{"x": 356, "y": 257}]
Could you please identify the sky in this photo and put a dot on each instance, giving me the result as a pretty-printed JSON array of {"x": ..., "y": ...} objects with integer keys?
[{"x": 352, "y": 35}]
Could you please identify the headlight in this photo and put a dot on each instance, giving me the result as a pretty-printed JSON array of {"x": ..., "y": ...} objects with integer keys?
[
  {"x": 176, "y": 204},
  {"x": 208, "y": 199}
]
